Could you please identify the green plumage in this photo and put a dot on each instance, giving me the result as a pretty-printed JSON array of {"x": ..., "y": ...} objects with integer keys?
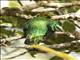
[{"x": 36, "y": 28}]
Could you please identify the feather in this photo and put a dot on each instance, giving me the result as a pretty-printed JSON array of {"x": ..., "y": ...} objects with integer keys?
[{"x": 36, "y": 28}]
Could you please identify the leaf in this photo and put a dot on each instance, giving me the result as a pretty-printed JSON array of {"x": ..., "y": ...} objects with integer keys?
[
  {"x": 14, "y": 4},
  {"x": 20, "y": 22},
  {"x": 68, "y": 26}
]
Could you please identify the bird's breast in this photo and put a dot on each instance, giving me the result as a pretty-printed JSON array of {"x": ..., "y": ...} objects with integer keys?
[{"x": 36, "y": 33}]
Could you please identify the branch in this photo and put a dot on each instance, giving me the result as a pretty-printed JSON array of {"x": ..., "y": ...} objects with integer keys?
[
  {"x": 74, "y": 43},
  {"x": 19, "y": 37},
  {"x": 57, "y": 46},
  {"x": 42, "y": 9},
  {"x": 66, "y": 16},
  {"x": 35, "y": 6},
  {"x": 47, "y": 50},
  {"x": 60, "y": 5},
  {"x": 68, "y": 44},
  {"x": 53, "y": 52},
  {"x": 11, "y": 38}
]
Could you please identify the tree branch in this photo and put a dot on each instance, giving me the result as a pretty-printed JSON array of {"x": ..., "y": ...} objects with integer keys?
[
  {"x": 53, "y": 52},
  {"x": 68, "y": 44},
  {"x": 74, "y": 43},
  {"x": 66, "y": 16},
  {"x": 60, "y": 5},
  {"x": 42, "y": 9},
  {"x": 33, "y": 4}
]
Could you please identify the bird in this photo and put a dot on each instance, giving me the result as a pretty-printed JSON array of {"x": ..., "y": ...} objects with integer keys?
[{"x": 37, "y": 28}]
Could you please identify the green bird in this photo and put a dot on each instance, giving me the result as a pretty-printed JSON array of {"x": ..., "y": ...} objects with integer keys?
[{"x": 36, "y": 28}]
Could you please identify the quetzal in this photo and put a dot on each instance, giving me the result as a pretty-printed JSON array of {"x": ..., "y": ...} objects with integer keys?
[{"x": 36, "y": 28}]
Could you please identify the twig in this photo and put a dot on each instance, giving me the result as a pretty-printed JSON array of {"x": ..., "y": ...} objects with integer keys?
[
  {"x": 17, "y": 55},
  {"x": 77, "y": 23},
  {"x": 24, "y": 16},
  {"x": 13, "y": 54},
  {"x": 12, "y": 38},
  {"x": 42, "y": 9}
]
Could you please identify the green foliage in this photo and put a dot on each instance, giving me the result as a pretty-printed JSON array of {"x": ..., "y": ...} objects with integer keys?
[
  {"x": 6, "y": 33},
  {"x": 14, "y": 4},
  {"x": 9, "y": 19},
  {"x": 13, "y": 25},
  {"x": 17, "y": 22},
  {"x": 73, "y": 9},
  {"x": 68, "y": 26}
]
